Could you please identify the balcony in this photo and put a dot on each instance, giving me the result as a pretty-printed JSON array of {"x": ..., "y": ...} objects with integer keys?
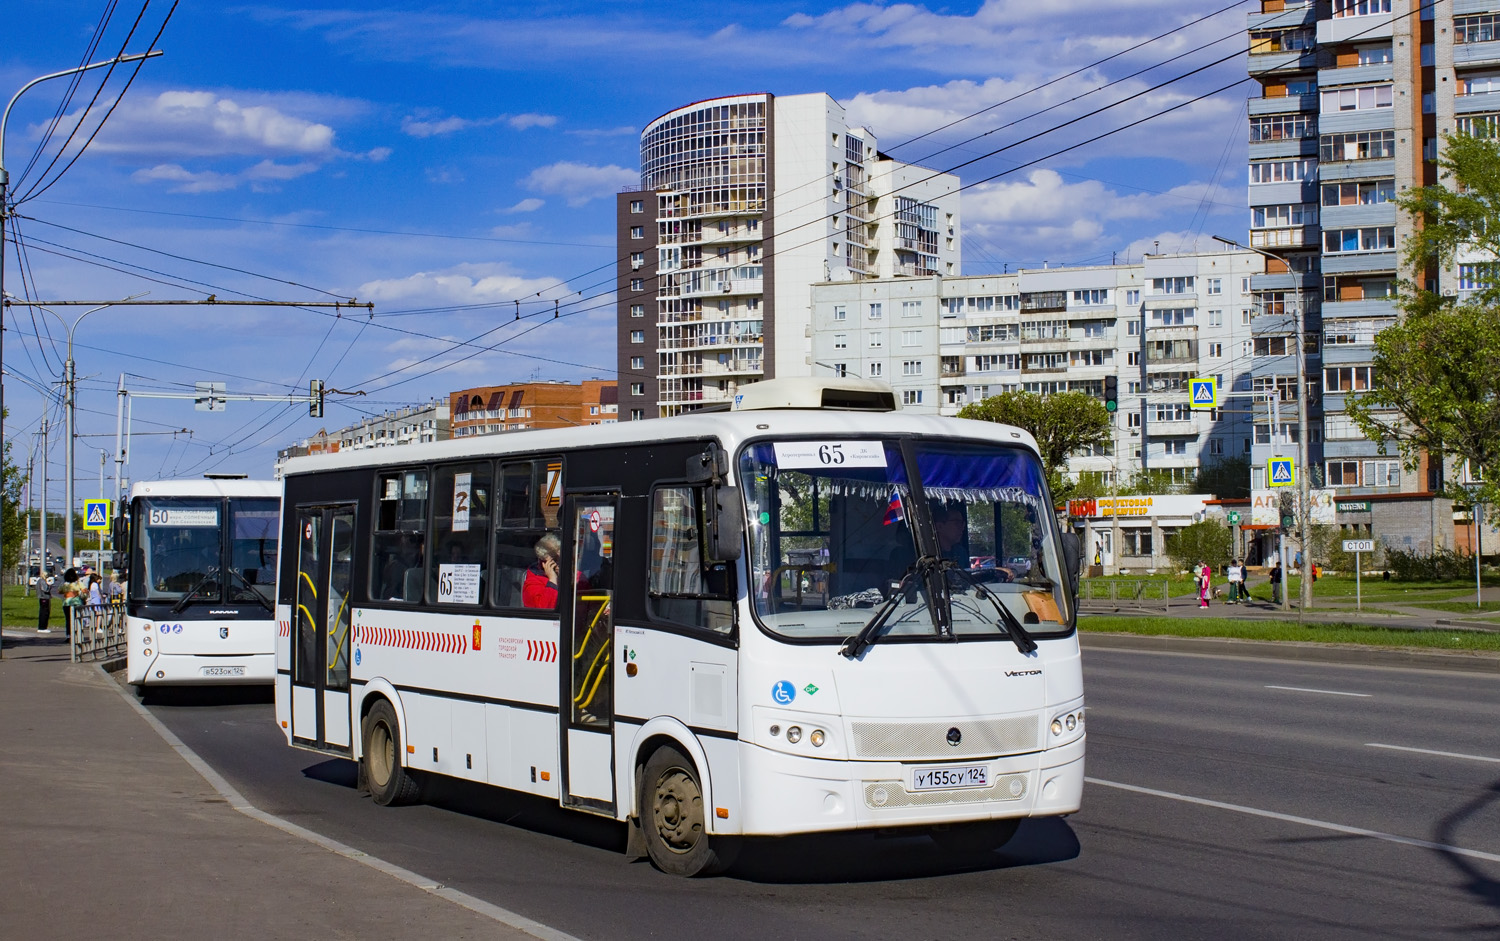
[
  {"x": 1293, "y": 60},
  {"x": 1476, "y": 53},
  {"x": 1297, "y": 236},
  {"x": 1283, "y": 104},
  {"x": 1343, "y": 29}
]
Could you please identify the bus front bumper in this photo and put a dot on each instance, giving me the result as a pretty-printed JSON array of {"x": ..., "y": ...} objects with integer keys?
[{"x": 194, "y": 670}]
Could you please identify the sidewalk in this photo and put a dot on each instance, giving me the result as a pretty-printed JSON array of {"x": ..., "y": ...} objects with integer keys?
[{"x": 108, "y": 831}]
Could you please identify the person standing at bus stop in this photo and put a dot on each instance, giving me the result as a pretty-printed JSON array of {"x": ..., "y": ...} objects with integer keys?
[{"x": 44, "y": 604}]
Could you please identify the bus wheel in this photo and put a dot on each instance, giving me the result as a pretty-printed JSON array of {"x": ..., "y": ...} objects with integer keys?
[
  {"x": 967, "y": 839},
  {"x": 388, "y": 781},
  {"x": 673, "y": 823}
]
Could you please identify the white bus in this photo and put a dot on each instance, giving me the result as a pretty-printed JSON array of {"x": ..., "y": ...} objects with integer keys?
[
  {"x": 200, "y": 581},
  {"x": 776, "y": 620}
]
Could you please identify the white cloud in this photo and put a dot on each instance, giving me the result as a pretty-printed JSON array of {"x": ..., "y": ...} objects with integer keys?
[
  {"x": 185, "y": 181},
  {"x": 431, "y": 126},
  {"x": 529, "y": 204},
  {"x": 207, "y": 124},
  {"x": 522, "y": 121},
  {"x": 474, "y": 283},
  {"x": 578, "y": 183}
]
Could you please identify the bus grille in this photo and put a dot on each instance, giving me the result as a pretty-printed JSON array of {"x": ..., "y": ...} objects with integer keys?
[
  {"x": 915, "y": 741},
  {"x": 889, "y": 794}
]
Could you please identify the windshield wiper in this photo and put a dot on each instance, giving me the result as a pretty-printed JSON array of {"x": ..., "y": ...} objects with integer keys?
[
  {"x": 923, "y": 568},
  {"x": 208, "y": 576},
  {"x": 1008, "y": 622},
  {"x": 258, "y": 597}
]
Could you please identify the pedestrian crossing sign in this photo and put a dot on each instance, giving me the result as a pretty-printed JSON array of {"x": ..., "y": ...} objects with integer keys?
[
  {"x": 96, "y": 514},
  {"x": 1281, "y": 472},
  {"x": 1204, "y": 392}
]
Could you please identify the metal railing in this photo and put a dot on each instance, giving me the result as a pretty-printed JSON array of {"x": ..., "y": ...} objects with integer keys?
[
  {"x": 97, "y": 632},
  {"x": 1145, "y": 593}
]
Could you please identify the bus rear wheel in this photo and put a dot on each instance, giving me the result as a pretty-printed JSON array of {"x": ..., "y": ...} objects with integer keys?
[
  {"x": 673, "y": 820},
  {"x": 389, "y": 782}
]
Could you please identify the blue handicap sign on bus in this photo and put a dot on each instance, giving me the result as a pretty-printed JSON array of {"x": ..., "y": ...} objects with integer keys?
[{"x": 783, "y": 692}]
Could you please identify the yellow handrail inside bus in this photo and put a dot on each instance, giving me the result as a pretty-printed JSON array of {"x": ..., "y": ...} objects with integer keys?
[{"x": 596, "y": 670}]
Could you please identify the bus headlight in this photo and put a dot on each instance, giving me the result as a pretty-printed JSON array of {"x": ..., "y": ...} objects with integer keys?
[
  {"x": 816, "y": 738},
  {"x": 794, "y": 734},
  {"x": 1067, "y": 725}
]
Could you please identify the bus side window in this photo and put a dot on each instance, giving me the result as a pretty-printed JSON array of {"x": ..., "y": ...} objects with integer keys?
[
  {"x": 685, "y": 586},
  {"x": 460, "y": 531},
  {"x": 399, "y": 547},
  {"x": 529, "y": 500}
]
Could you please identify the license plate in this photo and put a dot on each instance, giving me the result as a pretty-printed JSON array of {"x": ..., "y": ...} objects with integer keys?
[
  {"x": 949, "y": 778},
  {"x": 223, "y": 671}
]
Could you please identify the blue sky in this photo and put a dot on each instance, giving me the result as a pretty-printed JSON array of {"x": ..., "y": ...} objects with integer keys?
[{"x": 436, "y": 156}]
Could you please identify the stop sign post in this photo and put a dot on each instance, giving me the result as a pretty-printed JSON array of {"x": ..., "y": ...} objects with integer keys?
[{"x": 1358, "y": 546}]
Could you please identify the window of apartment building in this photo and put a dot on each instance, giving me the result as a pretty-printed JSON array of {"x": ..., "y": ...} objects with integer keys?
[
  {"x": 1369, "y": 239},
  {"x": 1172, "y": 285},
  {"x": 1282, "y": 171},
  {"x": 1086, "y": 358},
  {"x": 638, "y": 284},
  {"x": 1216, "y": 318},
  {"x": 840, "y": 313},
  {"x": 752, "y": 225},
  {"x": 1476, "y": 276},
  {"x": 1172, "y": 317},
  {"x": 989, "y": 362},
  {"x": 1216, "y": 285},
  {"x": 1281, "y": 40},
  {"x": 1176, "y": 446},
  {"x": 637, "y": 388},
  {"x": 637, "y": 414},
  {"x": 1346, "y": 378},
  {"x": 1356, "y": 98},
  {"x": 1272, "y": 217},
  {"x": 637, "y": 231},
  {"x": 637, "y": 310},
  {"x": 1477, "y": 125},
  {"x": 1360, "y": 7},
  {"x": 637, "y": 205},
  {"x": 1274, "y": 346},
  {"x": 1172, "y": 411},
  {"x": 637, "y": 259},
  {"x": 752, "y": 303},
  {"x": 1341, "y": 428},
  {"x": 1271, "y": 127},
  {"x": 911, "y": 367},
  {"x": 1132, "y": 297},
  {"x": 1363, "y": 193},
  {"x": 1132, "y": 328},
  {"x": 1481, "y": 28},
  {"x": 637, "y": 336},
  {"x": 1093, "y": 296},
  {"x": 1352, "y": 332},
  {"x": 1045, "y": 330},
  {"x": 841, "y": 341},
  {"x": 911, "y": 338},
  {"x": 877, "y": 369},
  {"x": 876, "y": 311},
  {"x": 1045, "y": 361},
  {"x": 1364, "y": 473},
  {"x": 1133, "y": 358},
  {"x": 841, "y": 369},
  {"x": 1159, "y": 350},
  {"x": 1478, "y": 84},
  {"x": 1374, "y": 55},
  {"x": 1091, "y": 330},
  {"x": 1216, "y": 350},
  {"x": 877, "y": 339},
  {"x": 911, "y": 396},
  {"x": 1357, "y": 145},
  {"x": 637, "y": 362},
  {"x": 1132, "y": 419},
  {"x": 911, "y": 308},
  {"x": 993, "y": 332}
]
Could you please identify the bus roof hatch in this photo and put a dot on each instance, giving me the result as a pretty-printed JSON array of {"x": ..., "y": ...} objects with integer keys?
[{"x": 846, "y": 394}]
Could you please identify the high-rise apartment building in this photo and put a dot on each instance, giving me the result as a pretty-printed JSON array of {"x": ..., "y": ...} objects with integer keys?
[
  {"x": 1152, "y": 326},
  {"x": 1355, "y": 98},
  {"x": 744, "y": 203}
]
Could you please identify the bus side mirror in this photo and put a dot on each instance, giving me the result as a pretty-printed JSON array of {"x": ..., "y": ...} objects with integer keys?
[
  {"x": 726, "y": 524},
  {"x": 119, "y": 531},
  {"x": 1072, "y": 554}
]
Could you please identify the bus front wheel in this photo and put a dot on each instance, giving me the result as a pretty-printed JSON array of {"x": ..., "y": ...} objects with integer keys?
[
  {"x": 388, "y": 781},
  {"x": 673, "y": 820}
]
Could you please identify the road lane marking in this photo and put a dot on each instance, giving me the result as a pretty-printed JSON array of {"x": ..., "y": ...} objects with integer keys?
[
  {"x": 236, "y": 800},
  {"x": 1325, "y": 692},
  {"x": 1304, "y": 821},
  {"x": 1440, "y": 754}
]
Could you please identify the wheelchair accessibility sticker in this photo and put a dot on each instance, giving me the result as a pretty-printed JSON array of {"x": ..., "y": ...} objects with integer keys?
[{"x": 783, "y": 692}]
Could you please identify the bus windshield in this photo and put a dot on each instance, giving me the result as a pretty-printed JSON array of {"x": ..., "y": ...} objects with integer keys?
[
  {"x": 179, "y": 550},
  {"x": 833, "y": 536}
]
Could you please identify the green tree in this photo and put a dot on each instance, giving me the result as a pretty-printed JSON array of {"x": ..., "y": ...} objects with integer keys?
[
  {"x": 1151, "y": 480},
  {"x": 1207, "y": 540},
  {"x": 1063, "y": 424},
  {"x": 1434, "y": 388}
]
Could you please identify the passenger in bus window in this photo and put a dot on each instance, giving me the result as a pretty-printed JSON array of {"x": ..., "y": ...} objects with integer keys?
[{"x": 540, "y": 587}]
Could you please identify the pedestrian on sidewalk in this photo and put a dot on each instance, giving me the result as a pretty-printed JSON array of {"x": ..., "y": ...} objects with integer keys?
[
  {"x": 1236, "y": 576},
  {"x": 1205, "y": 583},
  {"x": 1276, "y": 582},
  {"x": 73, "y": 597},
  {"x": 44, "y": 604}
]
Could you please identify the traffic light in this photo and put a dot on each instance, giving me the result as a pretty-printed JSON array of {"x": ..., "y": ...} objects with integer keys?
[
  {"x": 1111, "y": 393},
  {"x": 315, "y": 399}
]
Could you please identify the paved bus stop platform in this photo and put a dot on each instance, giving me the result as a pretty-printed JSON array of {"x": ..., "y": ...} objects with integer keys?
[{"x": 107, "y": 831}]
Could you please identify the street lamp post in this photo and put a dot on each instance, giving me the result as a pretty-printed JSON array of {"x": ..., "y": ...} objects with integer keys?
[{"x": 1304, "y": 495}]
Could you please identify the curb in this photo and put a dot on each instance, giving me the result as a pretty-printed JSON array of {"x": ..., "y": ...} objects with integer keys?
[{"x": 1350, "y": 654}]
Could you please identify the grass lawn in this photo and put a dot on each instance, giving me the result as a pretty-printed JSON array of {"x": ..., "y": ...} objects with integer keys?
[
  {"x": 20, "y": 609},
  {"x": 1291, "y": 630}
]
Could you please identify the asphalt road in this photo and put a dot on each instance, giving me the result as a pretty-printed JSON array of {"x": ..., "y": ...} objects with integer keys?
[{"x": 1228, "y": 798}]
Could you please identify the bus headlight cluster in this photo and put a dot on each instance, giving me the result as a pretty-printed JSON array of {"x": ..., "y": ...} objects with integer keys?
[
  {"x": 1068, "y": 722},
  {"x": 794, "y": 735}
]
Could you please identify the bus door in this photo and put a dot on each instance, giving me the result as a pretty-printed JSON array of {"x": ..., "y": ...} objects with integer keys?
[
  {"x": 587, "y": 698},
  {"x": 320, "y": 667}
]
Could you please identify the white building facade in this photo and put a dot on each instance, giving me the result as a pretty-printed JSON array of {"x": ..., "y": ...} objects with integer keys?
[
  {"x": 945, "y": 342},
  {"x": 745, "y": 202}
]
